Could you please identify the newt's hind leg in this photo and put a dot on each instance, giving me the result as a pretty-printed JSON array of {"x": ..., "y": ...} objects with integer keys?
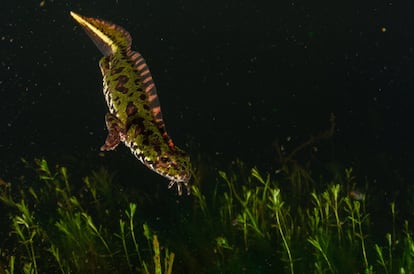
[{"x": 116, "y": 132}]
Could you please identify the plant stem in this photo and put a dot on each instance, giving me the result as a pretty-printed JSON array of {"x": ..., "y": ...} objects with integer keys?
[
  {"x": 361, "y": 235},
  {"x": 277, "y": 205},
  {"x": 157, "y": 259},
  {"x": 122, "y": 228},
  {"x": 131, "y": 214},
  {"x": 318, "y": 246}
]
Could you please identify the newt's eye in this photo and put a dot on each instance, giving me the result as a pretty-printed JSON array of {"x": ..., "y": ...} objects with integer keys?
[{"x": 164, "y": 159}]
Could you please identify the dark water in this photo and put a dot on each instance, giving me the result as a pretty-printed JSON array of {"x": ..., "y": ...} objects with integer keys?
[{"x": 232, "y": 78}]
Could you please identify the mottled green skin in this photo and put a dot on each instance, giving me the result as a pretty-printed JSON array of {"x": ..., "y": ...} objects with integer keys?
[{"x": 134, "y": 112}]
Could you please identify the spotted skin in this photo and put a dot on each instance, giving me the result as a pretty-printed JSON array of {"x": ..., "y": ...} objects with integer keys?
[{"x": 134, "y": 116}]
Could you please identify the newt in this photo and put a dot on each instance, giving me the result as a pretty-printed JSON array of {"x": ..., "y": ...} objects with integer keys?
[{"x": 134, "y": 117}]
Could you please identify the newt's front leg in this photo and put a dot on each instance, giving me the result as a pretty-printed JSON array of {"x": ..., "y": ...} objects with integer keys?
[{"x": 116, "y": 132}]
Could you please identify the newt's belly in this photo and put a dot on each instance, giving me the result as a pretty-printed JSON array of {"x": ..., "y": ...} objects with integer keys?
[{"x": 134, "y": 116}]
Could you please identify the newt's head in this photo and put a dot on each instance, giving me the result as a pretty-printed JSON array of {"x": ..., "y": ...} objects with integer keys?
[{"x": 174, "y": 165}]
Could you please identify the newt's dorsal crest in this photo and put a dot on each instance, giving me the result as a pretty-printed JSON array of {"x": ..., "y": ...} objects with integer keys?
[
  {"x": 134, "y": 116},
  {"x": 108, "y": 37}
]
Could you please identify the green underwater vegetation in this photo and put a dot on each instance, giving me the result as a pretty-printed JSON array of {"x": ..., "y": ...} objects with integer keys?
[
  {"x": 239, "y": 220},
  {"x": 51, "y": 230}
]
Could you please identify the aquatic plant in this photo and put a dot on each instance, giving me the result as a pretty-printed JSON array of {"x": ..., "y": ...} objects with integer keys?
[
  {"x": 60, "y": 231},
  {"x": 333, "y": 223},
  {"x": 244, "y": 221}
]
